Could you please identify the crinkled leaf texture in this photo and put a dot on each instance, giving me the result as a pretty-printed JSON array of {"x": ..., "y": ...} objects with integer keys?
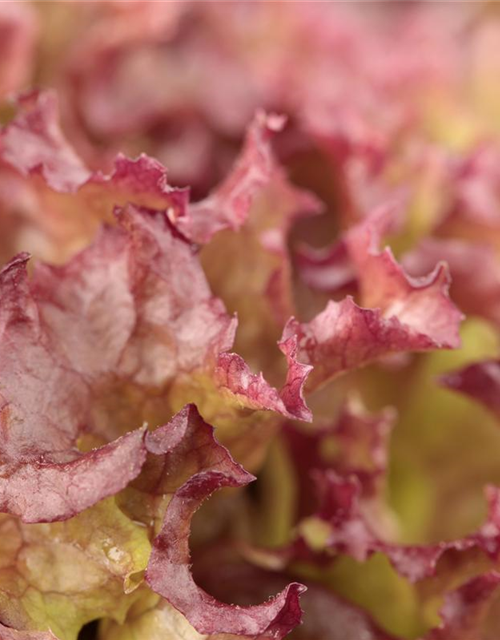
[
  {"x": 44, "y": 478},
  {"x": 349, "y": 530},
  {"x": 84, "y": 344},
  {"x": 399, "y": 313},
  {"x": 168, "y": 571},
  {"x": 185, "y": 464},
  {"x": 222, "y": 570},
  {"x": 354, "y": 444},
  {"x": 155, "y": 619},
  {"x": 35, "y": 146},
  {"x": 61, "y": 575},
  {"x": 75, "y": 201},
  {"x": 229, "y": 205},
  {"x": 474, "y": 268},
  {"x": 64, "y": 201},
  {"x": 256, "y": 194},
  {"x": 233, "y": 374},
  {"x": 265, "y": 205}
]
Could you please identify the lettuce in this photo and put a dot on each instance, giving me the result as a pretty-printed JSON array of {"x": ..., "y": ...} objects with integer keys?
[{"x": 249, "y": 321}]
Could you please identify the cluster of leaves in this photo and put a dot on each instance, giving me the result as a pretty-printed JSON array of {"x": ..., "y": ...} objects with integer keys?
[{"x": 348, "y": 249}]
